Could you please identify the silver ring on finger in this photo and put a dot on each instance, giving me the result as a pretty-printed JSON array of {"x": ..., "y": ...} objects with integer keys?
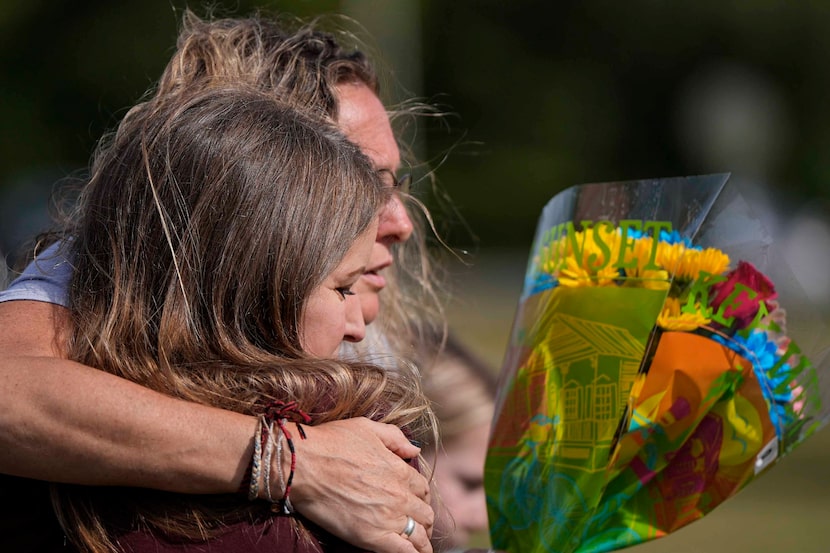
[{"x": 409, "y": 528}]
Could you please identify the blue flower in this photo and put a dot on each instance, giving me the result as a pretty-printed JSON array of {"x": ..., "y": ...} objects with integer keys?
[
  {"x": 633, "y": 233},
  {"x": 672, "y": 237},
  {"x": 675, "y": 237},
  {"x": 541, "y": 283},
  {"x": 773, "y": 375}
]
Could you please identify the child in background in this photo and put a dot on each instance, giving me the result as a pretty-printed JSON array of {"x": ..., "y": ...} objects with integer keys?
[{"x": 461, "y": 388}]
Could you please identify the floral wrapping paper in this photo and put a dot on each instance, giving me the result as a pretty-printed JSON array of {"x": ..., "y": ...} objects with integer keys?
[{"x": 653, "y": 368}]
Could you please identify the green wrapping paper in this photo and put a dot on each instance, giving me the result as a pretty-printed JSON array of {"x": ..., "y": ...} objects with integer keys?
[{"x": 651, "y": 371}]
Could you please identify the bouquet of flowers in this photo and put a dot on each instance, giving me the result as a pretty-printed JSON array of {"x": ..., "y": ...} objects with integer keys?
[{"x": 652, "y": 370}]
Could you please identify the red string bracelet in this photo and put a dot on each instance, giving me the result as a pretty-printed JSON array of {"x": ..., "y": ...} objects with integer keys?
[{"x": 280, "y": 412}]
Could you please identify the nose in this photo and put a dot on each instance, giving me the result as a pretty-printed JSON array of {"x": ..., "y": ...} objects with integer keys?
[
  {"x": 471, "y": 516},
  {"x": 479, "y": 520},
  {"x": 395, "y": 225},
  {"x": 355, "y": 329}
]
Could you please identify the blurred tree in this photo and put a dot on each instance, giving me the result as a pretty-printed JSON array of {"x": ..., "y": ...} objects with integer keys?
[
  {"x": 549, "y": 94},
  {"x": 567, "y": 92}
]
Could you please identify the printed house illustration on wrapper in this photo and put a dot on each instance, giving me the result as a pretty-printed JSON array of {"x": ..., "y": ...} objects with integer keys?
[{"x": 599, "y": 364}]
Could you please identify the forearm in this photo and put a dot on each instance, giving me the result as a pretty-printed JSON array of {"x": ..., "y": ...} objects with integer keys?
[{"x": 62, "y": 421}]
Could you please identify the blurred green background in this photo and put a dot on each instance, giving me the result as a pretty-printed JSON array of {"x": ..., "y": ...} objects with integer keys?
[{"x": 541, "y": 95}]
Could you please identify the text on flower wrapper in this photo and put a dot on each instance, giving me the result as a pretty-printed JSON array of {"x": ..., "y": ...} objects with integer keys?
[
  {"x": 564, "y": 239},
  {"x": 698, "y": 294}
]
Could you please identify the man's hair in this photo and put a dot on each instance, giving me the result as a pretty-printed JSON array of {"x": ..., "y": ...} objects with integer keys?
[{"x": 300, "y": 67}]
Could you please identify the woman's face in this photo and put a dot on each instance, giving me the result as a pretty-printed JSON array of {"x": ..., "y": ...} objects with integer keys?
[{"x": 332, "y": 313}]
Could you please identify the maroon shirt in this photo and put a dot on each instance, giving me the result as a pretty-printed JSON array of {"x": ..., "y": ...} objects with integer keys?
[
  {"x": 27, "y": 522},
  {"x": 28, "y": 525},
  {"x": 275, "y": 534}
]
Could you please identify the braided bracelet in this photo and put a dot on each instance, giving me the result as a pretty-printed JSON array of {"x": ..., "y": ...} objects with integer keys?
[
  {"x": 256, "y": 465},
  {"x": 280, "y": 474},
  {"x": 278, "y": 412},
  {"x": 268, "y": 450},
  {"x": 266, "y": 439}
]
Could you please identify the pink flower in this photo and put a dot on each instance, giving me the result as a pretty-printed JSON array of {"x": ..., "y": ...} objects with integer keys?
[{"x": 743, "y": 291}]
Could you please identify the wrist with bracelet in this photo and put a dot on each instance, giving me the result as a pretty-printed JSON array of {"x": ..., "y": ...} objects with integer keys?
[{"x": 271, "y": 431}]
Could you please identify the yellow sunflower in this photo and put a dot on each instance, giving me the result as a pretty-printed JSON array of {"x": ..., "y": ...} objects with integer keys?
[
  {"x": 670, "y": 256},
  {"x": 710, "y": 260},
  {"x": 672, "y": 317},
  {"x": 574, "y": 274}
]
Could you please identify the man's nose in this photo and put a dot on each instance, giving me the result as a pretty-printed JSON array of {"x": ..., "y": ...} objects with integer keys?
[{"x": 395, "y": 225}]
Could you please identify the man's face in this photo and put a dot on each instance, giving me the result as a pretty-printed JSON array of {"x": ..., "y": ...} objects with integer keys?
[{"x": 363, "y": 119}]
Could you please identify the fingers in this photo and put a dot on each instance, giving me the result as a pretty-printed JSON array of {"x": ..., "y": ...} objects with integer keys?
[
  {"x": 419, "y": 485},
  {"x": 419, "y": 539},
  {"x": 417, "y": 542},
  {"x": 361, "y": 490},
  {"x": 395, "y": 440},
  {"x": 423, "y": 515}
]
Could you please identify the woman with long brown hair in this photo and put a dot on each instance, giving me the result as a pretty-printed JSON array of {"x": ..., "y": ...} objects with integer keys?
[{"x": 215, "y": 248}]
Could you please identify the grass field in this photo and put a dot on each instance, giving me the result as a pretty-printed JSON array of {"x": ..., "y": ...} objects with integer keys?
[{"x": 786, "y": 510}]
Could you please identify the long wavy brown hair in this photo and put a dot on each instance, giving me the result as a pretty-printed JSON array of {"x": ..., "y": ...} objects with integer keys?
[
  {"x": 302, "y": 65},
  {"x": 206, "y": 221}
]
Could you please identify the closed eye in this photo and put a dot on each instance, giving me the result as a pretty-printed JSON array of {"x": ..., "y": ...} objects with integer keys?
[
  {"x": 344, "y": 291},
  {"x": 399, "y": 183}
]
